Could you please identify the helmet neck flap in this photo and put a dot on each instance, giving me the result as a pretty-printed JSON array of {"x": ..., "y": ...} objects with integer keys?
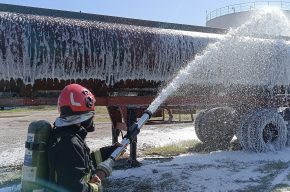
[{"x": 74, "y": 119}]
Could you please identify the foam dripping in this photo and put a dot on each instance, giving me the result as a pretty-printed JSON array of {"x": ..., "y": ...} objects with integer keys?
[{"x": 37, "y": 47}]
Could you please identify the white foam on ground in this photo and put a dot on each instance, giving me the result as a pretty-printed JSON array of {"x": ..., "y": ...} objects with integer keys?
[
  {"x": 149, "y": 136},
  {"x": 217, "y": 171}
]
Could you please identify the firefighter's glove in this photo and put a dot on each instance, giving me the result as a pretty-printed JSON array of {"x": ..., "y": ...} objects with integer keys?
[
  {"x": 106, "y": 167},
  {"x": 107, "y": 151},
  {"x": 95, "y": 179}
]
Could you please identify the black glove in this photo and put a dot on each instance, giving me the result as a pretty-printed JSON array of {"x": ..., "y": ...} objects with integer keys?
[{"x": 107, "y": 151}]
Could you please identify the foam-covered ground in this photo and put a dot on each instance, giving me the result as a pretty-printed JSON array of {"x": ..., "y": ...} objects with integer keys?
[{"x": 215, "y": 171}]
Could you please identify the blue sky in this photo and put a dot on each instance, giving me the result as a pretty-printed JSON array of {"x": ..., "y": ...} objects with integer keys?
[{"x": 190, "y": 12}]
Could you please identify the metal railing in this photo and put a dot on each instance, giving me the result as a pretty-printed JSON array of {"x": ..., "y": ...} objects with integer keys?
[{"x": 242, "y": 7}]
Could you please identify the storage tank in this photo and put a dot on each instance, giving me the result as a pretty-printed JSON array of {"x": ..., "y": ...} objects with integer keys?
[{"x": 235, "y": 15}]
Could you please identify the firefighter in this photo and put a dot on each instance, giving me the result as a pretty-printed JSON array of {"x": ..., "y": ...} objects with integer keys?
[{"x": 71, "y": 163}]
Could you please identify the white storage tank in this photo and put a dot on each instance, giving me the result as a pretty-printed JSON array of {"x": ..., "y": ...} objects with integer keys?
[{"x": 237, "y": 14}]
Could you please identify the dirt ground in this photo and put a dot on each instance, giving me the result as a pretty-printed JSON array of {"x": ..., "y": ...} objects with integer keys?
[
  {"x": 214, "y": 171},
  {"x": 14, "y": 126}
]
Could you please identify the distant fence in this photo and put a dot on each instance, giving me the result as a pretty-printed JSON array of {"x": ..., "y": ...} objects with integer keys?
[{"x": 235, "y": 8}]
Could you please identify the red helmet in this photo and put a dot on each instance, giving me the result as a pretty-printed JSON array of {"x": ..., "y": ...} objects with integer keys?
[{"x": 74, "y": 99}]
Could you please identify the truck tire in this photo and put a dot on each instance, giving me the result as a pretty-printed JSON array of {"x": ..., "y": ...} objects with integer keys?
[
  {"x": 286, "y": 116},
  {"x": 216, "y": 127},
  {"x": 262, "y": 130},
  {"x": 242, "y": 129},
  {"x": 198, "y": 124}
]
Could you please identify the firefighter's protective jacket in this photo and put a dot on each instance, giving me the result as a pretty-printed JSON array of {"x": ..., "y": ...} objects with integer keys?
[{"x": 70, "y": 161}]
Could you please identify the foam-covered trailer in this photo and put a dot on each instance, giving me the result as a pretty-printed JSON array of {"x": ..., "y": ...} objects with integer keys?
[{"x": 124, "y": 62}]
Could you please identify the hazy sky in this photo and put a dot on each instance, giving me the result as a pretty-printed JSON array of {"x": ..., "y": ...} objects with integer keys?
[{"x": 191, "y": 12}]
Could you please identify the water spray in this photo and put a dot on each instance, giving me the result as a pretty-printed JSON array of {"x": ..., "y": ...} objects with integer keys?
[{"x": 222, "y": 70}]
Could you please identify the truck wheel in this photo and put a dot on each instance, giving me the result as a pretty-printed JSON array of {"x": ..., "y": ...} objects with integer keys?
[
  {"x": 242, "y": 129},
  {"x": 216, "y": 127},
  {"x": 262, "y": 130},
  {"x": 286, "y": 116},
  {"x": 198, "y": 123},
  {"x": 288, "y": 133}
]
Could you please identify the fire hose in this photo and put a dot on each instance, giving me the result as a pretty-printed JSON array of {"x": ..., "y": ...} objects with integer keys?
[{"x": 105, "y": 168}]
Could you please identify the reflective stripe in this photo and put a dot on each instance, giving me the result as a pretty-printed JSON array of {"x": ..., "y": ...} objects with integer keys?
[
  {"x": 87, "y": 177},
  {"x": 95, "y": 187},
  {"x": 98, "y": 156},
  {"x": 55, "y": 176}
]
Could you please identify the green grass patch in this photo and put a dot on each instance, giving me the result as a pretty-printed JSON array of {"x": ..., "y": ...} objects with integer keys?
[
  {"x": 137, "y": 184},
  {"x": 281, "y": 187},
  {"x": 98, "y": 109},
  {"x": 102, "y": 115},
  {"x": 30, "y": 108},
  {"x": 209, "y": 147},
  {"x": 172, "y": 149},
  {"x": 271, "y": 170},
  {"x": 102, "y": 120},
  {"x": 101, "y": 112},
  {"x": 273, "y": 166},
  {"x": 189, "y": 146}
]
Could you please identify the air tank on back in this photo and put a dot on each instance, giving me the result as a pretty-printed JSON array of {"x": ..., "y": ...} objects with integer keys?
[{"x": 35, "y": 166}]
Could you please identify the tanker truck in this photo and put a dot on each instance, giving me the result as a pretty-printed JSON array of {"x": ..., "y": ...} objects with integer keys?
[{"x": 124, "y": 62}]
